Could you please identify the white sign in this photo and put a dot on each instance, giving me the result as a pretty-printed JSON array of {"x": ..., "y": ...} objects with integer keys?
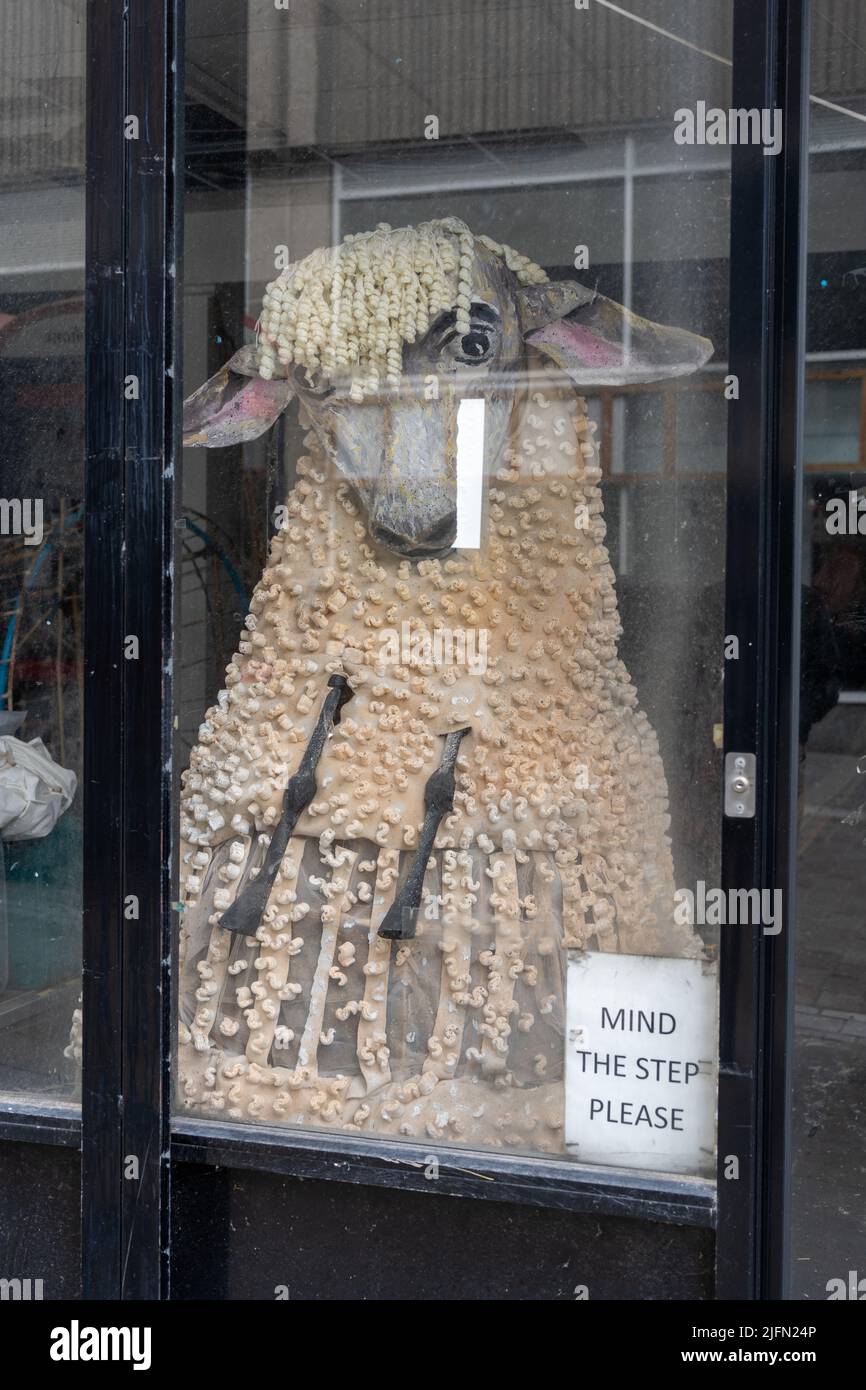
[
  {"x": 640, "y": 1062},
  {"x": 470, "y": 472}
]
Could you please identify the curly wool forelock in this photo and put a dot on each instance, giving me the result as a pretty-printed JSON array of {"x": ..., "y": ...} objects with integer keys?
[{"x": 346, "y": 311}]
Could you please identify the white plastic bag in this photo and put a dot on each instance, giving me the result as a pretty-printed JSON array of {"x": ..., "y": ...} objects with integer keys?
[{"x": 34, "y": 789}]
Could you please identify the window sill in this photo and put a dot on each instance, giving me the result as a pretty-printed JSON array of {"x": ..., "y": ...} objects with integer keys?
[
  {"x": 54, "y": 1122},
  {"x": 541, "y": 1182}
]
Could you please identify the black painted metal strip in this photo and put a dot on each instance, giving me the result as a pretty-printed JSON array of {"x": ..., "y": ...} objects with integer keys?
[
  {"x": 149, "y": 532},
  {"x": 783, "y": 697},
  {"x": 102, "y": 790},
  {"x": 132, "y": 420},
  {"x": 761, "y": 694}
]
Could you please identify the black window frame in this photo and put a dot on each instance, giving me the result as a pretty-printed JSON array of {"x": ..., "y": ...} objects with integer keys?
[{"x": 133, "y": 295}]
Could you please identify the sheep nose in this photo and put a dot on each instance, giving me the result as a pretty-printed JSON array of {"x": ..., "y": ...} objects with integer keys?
[
  {"x": 432, "y": 541},
  {"x": 441, "y": 533}
]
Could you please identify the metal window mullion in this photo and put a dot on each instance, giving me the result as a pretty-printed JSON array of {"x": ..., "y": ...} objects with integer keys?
[
  {"x": 783, "y": 706},
  {"x": 102, "y": 788},
  {"x": 131, "y": 421},
  {"x": 149, "y": 534},
  {"x": 762, "y": 611}
]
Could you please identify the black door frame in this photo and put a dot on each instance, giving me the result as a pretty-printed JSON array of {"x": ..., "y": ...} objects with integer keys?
[
  {"x": 133, "y": 376},
  {"x": 764, "y": 528},
  {"x": 134, "y": 219}
]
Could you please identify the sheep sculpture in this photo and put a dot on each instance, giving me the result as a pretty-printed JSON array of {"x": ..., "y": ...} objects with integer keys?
[{"x": 386, "y": 854}]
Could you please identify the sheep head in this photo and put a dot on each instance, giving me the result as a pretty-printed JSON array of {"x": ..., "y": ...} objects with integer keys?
[{"x": 382, "y": 350}]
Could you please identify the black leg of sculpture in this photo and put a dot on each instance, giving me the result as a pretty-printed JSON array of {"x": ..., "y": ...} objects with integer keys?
[
  {"x": 401, "y": 918},
  {"x": 246, "y": 911}
]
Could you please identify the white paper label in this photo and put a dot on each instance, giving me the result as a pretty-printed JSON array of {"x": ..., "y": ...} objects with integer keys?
[
  {"x": 470, "y": 472},
  {"x": 640, "y": 1062}
]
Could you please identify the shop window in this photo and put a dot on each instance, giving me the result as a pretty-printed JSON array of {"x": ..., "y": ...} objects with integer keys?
[
  {"x": 444, "y": 859},
  {"x": 41, "y": 544},
  {"x": 830, "y": 974}
]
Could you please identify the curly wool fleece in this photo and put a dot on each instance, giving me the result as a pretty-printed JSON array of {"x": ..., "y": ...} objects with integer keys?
[{"x": 347, "y": 310}]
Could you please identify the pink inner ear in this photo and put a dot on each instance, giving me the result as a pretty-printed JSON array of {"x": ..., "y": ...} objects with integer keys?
[
  {"x": 213, "y": 422},
  {"x": 579, "y": 342},
  {"x": 258, "y": 399}
]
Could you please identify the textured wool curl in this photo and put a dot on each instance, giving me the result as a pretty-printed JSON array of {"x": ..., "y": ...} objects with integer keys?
[{"x": 346, "y": 311}]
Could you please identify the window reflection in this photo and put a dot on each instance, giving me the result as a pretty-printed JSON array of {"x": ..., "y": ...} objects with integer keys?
[
  {"x": 829, "y": 1124},
  {"x": 41, "y": 545},
  {"x": 318, "y": 135}
]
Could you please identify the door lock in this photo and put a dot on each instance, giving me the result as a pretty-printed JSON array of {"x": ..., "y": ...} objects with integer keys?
[{"x": 740, "y": 776}]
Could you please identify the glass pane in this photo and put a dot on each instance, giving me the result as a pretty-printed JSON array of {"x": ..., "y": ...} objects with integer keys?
[
  {"x": 638, "y": 436},
  {"x": 829, "y": 1193},
  {"x": 41, "y": 533},
  {"x": 832, "y": 423},
  {"x": 406, "y": 471},
  {"x": 701, "y": 423}
]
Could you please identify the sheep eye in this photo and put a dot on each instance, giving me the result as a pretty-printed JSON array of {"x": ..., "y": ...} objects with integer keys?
[{"x": 475, "y": 345}]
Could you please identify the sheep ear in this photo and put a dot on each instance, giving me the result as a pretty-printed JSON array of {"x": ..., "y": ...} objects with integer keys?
[
  {"x": 598, "y": 342},
  {"x": 234, "y": 406}
]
